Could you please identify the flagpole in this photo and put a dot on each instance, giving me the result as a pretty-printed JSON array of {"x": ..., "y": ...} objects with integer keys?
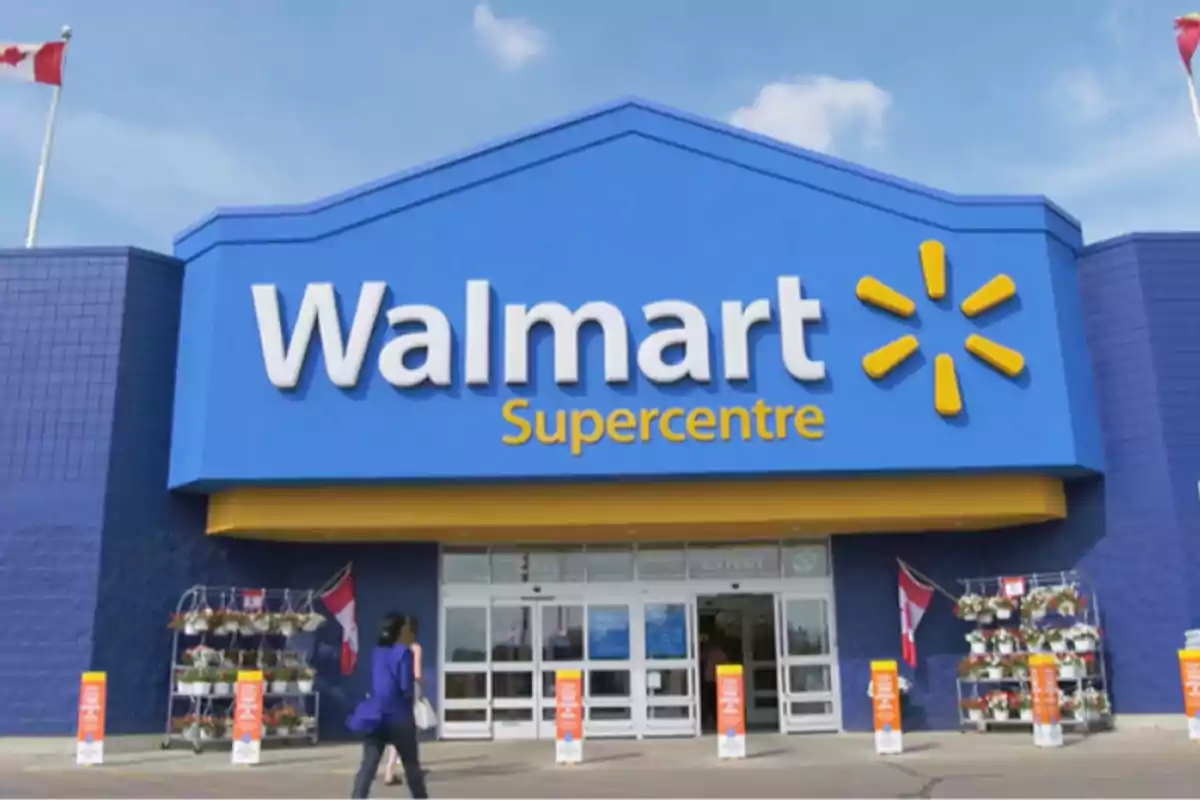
[
  {"x": 1195, "y": 103},
  {"x": 39, "y": 187},
  {"x": 926, "y": 578}
]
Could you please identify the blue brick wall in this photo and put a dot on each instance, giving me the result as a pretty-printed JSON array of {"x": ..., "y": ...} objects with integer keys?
[
  {"x": 60, "y": 332},
  {"x": 93, "y": 550}
]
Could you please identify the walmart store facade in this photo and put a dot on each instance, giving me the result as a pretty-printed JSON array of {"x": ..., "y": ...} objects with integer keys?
[{"x": 559, "y": 395}]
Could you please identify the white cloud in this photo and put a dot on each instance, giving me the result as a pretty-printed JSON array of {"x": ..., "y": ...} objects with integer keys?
[
  {"x": 154, "y": 177},
  {"x": 818, "y": 112},
  {"x": 1079, "y": 96},
  {"x": 514, "y": 42}
]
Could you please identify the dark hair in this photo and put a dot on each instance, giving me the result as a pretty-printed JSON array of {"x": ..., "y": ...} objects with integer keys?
[{"x": 393, "y": 627}]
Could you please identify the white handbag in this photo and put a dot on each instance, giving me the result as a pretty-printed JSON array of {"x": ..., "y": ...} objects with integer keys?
[{"x": 423, "y": 713}]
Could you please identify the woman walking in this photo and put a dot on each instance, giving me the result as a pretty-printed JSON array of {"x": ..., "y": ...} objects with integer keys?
[
  {"x": 385, "y": 717},
  {"x": 390, "y": 757}
]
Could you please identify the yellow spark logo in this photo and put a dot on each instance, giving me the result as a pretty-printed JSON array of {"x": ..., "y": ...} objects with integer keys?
[{"x": 947, "y": 399}]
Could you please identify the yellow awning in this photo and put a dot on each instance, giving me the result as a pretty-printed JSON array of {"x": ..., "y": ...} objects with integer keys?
[{"x": 650, "y": 511}]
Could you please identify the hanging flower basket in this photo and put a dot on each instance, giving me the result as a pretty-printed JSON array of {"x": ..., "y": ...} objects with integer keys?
[
  {"x": 994, "y": 668},
  {"x": 1002, "y": 607},
  {"x": 1057, "y": 639},
  {"x": 1035, "y": 604},
  {"x": 1084, "y": 638},
  {"x": 977, "y": 639},
  {"x": 970, "y": 668},
  {"x": 223, "y": 682},
  {"x": 968, "y": 607},
  {"x": 1065, "y": 600},
  {"x": 1071, "y": 667},
  {"x": 311, "y": 621}
]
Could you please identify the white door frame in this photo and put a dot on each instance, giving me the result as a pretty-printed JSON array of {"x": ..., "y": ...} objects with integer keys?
[
  {"x": 647, "y": 724},
  {"x": 635, "y": 595}
]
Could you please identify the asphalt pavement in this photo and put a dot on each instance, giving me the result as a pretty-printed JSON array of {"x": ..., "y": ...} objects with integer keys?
[{"x": 1119, "y": 764}]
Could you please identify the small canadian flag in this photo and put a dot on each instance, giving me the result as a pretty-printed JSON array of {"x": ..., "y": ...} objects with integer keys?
[{"x": 34, "y": 63}]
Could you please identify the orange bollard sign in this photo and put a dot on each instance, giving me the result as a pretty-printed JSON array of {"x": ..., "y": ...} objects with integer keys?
[
  {"x": 885, "y": 703},
  {"x": 248, "y": 718},
  {"x": 1189, "y": 676},
  {"x": 89, "y": 737},
  {"x": 568, "y": 716},
  {"x": 731, "y": 712},
  {"x": 1043, "y": 690}
]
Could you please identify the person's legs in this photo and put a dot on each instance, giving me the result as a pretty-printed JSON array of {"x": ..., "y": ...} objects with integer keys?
[
  {"x": 390, "y": 759},
  {"x": 372, "y": 754},
  {"x": 404, "y": 737}
]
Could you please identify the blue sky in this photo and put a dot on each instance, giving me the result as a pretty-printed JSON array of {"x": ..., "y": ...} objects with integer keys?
[{"x": 173, "y": 107}]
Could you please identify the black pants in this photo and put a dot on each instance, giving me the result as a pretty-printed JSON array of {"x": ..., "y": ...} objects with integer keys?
[
  {"x": 402, "y": 736},
  {"x": 708, "y": 705}
]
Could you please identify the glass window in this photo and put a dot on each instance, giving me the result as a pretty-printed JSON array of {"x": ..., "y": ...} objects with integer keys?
[
  {"x": 557, "y": 566},
  {"x": 733, "y": 563},
  {"x": 461, "y": 565},
  {"x": 466, "y": 685},
  {"x": 562, "y": 633},
  {"x": 608, "y": 633},
  {"x": 666, "y": 630},
  {"x": 808, "y": 678},
  {"x": 512, "y": 685},
  {"x": 807, "y": 627},
  {"x": 608, "y": 683},
  {"x": 667, "y": 682},
  {"x": 510, "y": 566},
  {"x": 661, "y": 564},
  {"x": 512, "y": 633},
  {"x": 466, "y": 635},
  {"x": 806, "y": 560},
  {"x": 811, "y": 709},
  {"x": 609, "y": 565}
]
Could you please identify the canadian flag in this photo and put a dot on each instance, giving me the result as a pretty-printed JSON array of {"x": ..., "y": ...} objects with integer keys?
[
  {"x": 35, "y": 63},
  {"x": 914, "y": 599},
  {"x": 339, "y": 599}
]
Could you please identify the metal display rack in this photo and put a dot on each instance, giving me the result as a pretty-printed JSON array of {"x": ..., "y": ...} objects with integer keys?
[
  {"x": 1089, "y": 681},
  {"x": 220, "y": 629}
]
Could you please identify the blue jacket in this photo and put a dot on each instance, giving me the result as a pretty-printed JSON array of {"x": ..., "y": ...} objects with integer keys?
[{"x": 391, "y": 697}]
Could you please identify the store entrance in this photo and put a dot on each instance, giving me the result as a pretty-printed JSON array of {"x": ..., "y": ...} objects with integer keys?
[{"x": 740, "y": 629}]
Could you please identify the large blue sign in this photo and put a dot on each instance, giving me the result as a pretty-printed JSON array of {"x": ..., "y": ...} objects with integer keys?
[{"x": 631, "y": 293}]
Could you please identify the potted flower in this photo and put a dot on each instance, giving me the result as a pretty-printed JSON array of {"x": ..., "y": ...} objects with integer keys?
[
  {"x": 308, "y": 724},
  {"x": 183, "y": 683},
  {"x": 968, "y": 607},
  {"x": 200, "y": 656},
  {"x": 269, "y": 723},
  {"x": 972, "y": 707},
  {"x": 186, "y": 726},
  {"x": 1057, "y": 639},
  {"x": 1023, "y": 703},
  {"x": 977, "y": 639},
  {"x": 1003, "y": 641},
  {"x": 1034, "y": 638},
  {"x": 281, "y": 680},
  {"x": 212, "y": 728},
  {"x": 1094, "y": 704},
  {"x": 1084, "y": 638},
  {"x": 1071, "y": 667},
  {"x": 1065, "y": 600},
  {"x": 194, "y": 682},
  {"x": 311, "y": 621},
  {"x": 286, "y": 721},
  {"x": 994, "y": 668},
  {"x": 223, "y": 681},
  {"x": 998, "y": 704},
  {"x": 287, "y": 623},
  {"x": 1070, "y": 706},
  {"x": 1003, "y": 607},
  {"x": 970, "y": 668},
  {"x": 306, "y": 675},
  {"x": 1017, "y": 666}
]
